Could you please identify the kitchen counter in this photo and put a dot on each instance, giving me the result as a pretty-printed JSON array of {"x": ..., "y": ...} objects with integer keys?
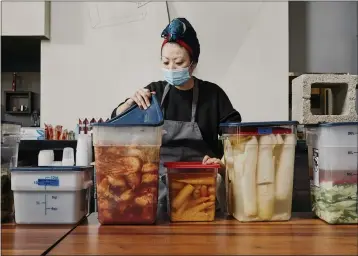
[
  {"x": 302, "y": 235},
  {"x": 31, "y": 239}
]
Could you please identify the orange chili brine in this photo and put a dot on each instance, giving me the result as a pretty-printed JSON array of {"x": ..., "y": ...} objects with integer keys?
[
  {"x": 192, "y": 195},
  {"x": 127, "y": 184}
]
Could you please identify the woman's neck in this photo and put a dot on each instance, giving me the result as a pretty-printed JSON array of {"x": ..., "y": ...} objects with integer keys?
[{"x": 187, "y": 86}]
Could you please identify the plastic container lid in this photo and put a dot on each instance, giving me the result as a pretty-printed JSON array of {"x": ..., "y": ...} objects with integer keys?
[
  {"x": 311, "y": 125},
  {"x": 259, "y": 124},
  {"x": 134, "y": 116},
  {"x": 323, "y": 124},
  {"x": 338, "y": 124},
  {"x": 51, "y": 168},
  {"x": 190, "y": 165},
  {"x": 260, "y": 128}
]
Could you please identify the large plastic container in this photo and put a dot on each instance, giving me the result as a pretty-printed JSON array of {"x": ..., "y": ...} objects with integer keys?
[
  {"x": 127, "y": 155},
  {"x": 192, "y": 191},
  {"x": 10, "y": 139},
  {"x": 333, "y": 151},
  {"x": 259, "y": 161},
  {"x": 51, "y": 195}
]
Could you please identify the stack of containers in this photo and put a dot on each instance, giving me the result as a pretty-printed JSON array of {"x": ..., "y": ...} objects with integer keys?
[
  {"x": 10, "y": 139},
  {"x": 51, "y": 195},
  {"x": 192, "y": 191},
  {"x": 127, "y": 156},
  {"x": 333, "y": 154},
  {"x": 259, "y": 160}
]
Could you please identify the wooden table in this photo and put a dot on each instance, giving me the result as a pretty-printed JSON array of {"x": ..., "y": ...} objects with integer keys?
[
  {"x": 31, "y": 239},
  {"x": 300, "y": 236}
]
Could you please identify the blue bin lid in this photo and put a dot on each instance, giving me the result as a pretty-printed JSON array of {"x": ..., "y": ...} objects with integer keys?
[
  {"x": 134, "y": 116},
  {"x": 338, "y": 124},
  {"x": 51, "y": 168},
  {"x": 259, "y": 124},
  {"x": 311, "y": 125}
]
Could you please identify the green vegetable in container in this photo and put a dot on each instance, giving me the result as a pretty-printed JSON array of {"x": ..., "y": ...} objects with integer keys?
[{"x": 336, "y": 204}]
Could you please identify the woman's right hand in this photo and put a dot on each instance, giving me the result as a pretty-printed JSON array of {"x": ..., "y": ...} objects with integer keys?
[{"x": 141, "y": 98}]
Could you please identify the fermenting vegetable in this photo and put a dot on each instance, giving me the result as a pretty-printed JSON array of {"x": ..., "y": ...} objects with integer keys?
[
  {"x": 192, "y": 196},
  {"x": 335, "y": 203},
  {"x": 127, "y": 183},
  {"x": 259, "y": 185}
]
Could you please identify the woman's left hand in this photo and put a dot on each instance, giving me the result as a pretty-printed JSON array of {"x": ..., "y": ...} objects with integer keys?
[{"x": 211, "y": 160}]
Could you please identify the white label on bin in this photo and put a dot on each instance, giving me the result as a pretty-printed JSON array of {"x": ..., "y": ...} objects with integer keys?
[{"x": 315, "y": 162}]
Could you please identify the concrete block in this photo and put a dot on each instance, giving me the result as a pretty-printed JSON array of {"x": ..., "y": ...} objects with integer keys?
[{"x": 343, "y": 89}]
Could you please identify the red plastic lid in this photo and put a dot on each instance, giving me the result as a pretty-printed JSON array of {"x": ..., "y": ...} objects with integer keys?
[
  {"x": 190, "y": 165},
  {"x": 258, "y": 131}
]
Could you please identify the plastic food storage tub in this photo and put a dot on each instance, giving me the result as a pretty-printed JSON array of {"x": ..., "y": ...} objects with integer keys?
[
  {"x": 51, "y": 195},
  {"x": 334, "y": 157},
  {"x": 259, "y": 160},
  {"x": 192, "y": 191},
  {"x": 127, "y": 155},
  {"x": 10, "y": 139}
]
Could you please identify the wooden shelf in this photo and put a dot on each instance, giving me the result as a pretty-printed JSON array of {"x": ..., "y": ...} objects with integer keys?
[
  {"x": 18, "y": 112},
  {"x": 16, "y": 99}
]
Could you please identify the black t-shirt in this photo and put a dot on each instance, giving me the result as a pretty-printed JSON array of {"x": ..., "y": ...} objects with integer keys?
[{"x": 213, "y": 108}]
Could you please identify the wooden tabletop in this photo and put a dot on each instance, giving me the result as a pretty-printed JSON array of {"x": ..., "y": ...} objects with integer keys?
[
  {"x": 31, "y": 239},
  {"x": 299, "y": 236}
]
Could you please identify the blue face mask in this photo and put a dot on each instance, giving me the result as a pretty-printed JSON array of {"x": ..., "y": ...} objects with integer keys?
[{"x": 176, "y": 77}]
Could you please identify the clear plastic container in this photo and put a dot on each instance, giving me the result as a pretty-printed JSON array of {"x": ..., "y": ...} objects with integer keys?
[
  {"x": 259, "y": 160},
  {"x": 192, "y": 191},
  {"x": 127, "y": 155},
  {"x": 10, "y": 128},
  {"x": 334, "y": 157},
  {"x": 337, "y": 146},
  {"x": 51, "y": 195},
  {"x": 10, "y": 140}
]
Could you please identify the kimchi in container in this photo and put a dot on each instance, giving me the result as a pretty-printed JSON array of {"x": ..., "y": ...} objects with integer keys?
[{"x": 127, "y": 157}]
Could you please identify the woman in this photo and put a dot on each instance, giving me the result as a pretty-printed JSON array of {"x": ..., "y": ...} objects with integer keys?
[{"x": 192, "y": 108}]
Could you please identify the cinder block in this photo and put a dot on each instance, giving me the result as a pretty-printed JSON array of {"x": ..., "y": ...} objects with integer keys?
[{"x": 343, "y": 89}]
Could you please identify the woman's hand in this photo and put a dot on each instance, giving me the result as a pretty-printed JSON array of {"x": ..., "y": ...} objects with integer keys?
[
  {"x": 211, "y": 160},
  {"x": 141, "y": 98}
]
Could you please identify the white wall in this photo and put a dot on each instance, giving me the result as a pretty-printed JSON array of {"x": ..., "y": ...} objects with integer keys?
[
  {"x": 95, "y": 58},
  {"x": 323, "y": 37},
  {"x": 91, "y": 64}
]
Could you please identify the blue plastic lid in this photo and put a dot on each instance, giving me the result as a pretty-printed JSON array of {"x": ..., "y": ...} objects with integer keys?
[
  {"x": 259, "y": 124},
  {"x": 311, "y": 125},
  {"x": 134, "y": 116},
  {"x": 338, "y": 124},
  {"x": 51, "y": 168}
]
